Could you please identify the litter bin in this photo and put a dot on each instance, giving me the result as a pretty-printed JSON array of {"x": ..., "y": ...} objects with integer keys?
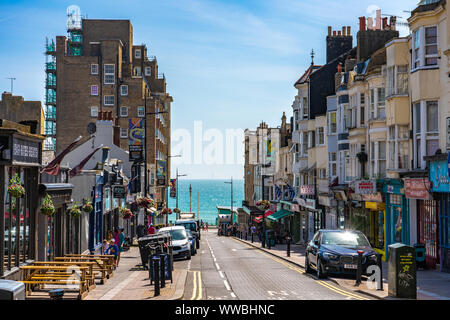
[
  {"x": 156, "y": 258},
  {"x": 402, "y": 277},
  {"x": 12, "y": 290},
  {"x": 270, "y": 237},
  {"x": 420, "y": 255}
]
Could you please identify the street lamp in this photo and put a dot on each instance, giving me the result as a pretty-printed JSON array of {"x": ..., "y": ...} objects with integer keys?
[
  {"x": 176, "y": 181},
  {"x": 231, "y": 183}
]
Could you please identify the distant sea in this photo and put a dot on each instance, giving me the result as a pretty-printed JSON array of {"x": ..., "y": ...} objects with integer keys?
[{"x": 212, "y": 193}]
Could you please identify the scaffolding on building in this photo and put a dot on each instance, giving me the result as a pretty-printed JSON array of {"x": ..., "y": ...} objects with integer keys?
[
  {"x": 74, "y": 31},
  {"x": 50, "y": 95}
]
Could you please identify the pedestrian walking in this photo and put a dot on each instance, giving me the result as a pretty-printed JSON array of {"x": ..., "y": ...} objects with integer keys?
[
  {"x": 151, "y": 229},
  {"x": 116, "y": 235},
  {"x": 207, "y": 226},
  {"x": 120, "y": 243}
]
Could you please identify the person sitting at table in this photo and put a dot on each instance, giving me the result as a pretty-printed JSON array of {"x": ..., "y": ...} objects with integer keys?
[{"x": 113, "y": 249}]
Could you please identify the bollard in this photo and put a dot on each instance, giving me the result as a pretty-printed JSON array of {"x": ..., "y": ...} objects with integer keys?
[
  {"x": 288, "y": 246},
  {"x": 252, "y": 237},
  {"x": 263, "y": 241},
  {"x": 380, "y": 265},
  {"x": 269, "y": 242},
  {"x": 163, "y": 270},
  {"x": 156, "y": 269},
  {"x": 359, "y": 268}
]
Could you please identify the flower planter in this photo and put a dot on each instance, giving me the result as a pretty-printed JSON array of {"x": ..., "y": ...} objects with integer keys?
[
  {"x": 87, "y": 207},
  {"x": 47, "y": 207}
]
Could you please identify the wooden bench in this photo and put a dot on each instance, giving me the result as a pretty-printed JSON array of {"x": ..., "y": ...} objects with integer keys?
[
  {"x": 101, "y": 265},
  {"x": 111, "y": 260},
  {"x": 56, "y": 275},
  {"x": 90, "y": 274}
]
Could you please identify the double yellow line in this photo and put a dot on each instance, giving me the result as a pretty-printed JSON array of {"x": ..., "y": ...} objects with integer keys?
[
  {"x": 197, "y": 290},
  {"x": 322, "y": 283}
]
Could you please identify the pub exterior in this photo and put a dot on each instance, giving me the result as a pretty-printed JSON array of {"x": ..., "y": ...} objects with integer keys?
[{"x": 22, "y": 154}]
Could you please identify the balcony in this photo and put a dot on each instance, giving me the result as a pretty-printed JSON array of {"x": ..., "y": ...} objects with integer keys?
[{"x": 50, "y": 67}]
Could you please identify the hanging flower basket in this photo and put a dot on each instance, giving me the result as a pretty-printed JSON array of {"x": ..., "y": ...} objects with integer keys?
[
  {"x": 87, "y": 207},
  {"x": 145, "y": 202},
  {"x": 126, "y": 213},
  {"x": 15, "y": 188},
  {"x": 75, "y": 211},
  {"x": 47, "y": 207},
  {"x": 176, "y": 210},
  {"x": 166, "y": 211},
  {"x": 263, "y": 205}
]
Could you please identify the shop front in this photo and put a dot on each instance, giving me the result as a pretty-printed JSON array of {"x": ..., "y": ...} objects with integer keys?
[
  {"x": 328, "y": 204},
  {"x": 314, "y": 218},
  {"x": 439, "y": 222},
  {"x": 377, "y": 231},
  {"x": 21, "y": 155},
  {"x": 397, "y": 215}
]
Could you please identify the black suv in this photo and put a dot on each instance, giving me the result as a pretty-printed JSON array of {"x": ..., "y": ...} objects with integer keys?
[{"x": 336, "y": 251}]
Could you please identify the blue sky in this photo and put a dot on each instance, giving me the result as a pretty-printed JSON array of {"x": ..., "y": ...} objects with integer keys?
[{"x": 228, "y": 63}]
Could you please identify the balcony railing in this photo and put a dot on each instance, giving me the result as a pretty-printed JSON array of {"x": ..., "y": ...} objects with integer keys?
[{"x": 50, "y": 66}]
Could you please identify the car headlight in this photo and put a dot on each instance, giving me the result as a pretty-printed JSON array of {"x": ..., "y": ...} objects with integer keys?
[
  {"x": 330, "y": 255},
  {"x": 185, "y": 245}
]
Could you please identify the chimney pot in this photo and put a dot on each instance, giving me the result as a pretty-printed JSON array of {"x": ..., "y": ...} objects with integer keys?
[
  {"x": 343, "y": 31},
  {"x": 334, "y": 33},
  {"x": 329, "y": 31},
  {"x": 339, "y": 33},
  {"x": 349, "y": 31}
]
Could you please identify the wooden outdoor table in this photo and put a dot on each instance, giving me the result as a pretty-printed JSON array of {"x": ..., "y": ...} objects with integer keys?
[
  {"x": 101, "y": 264},
  {"x": 49, "y": 274},
  {"x": 90, "y": 274}
]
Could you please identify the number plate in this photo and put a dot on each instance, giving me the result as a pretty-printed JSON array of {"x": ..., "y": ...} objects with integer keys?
[{"x": 350, "y": 266}]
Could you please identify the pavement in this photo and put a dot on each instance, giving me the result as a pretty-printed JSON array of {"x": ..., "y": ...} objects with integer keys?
[
  {"x": 431, "y": 284},
  {"x": 130, "y": 282}
]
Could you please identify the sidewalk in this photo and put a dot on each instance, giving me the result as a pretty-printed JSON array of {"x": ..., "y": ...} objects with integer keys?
[
  {"x": 431, "y": 285},
  {"x": 130, "y": 282}
]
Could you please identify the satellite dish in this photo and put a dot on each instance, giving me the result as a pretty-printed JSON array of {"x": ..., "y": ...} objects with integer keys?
[
  {"x": 73, "y": 17},
  {"x": 92, "y": 128}
]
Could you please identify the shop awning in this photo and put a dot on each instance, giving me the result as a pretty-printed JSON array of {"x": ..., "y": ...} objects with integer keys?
[
  {"x": 280, "y": 214},
  {"x": 258, "y": 219},
  {"x": 268, "y": 213}
]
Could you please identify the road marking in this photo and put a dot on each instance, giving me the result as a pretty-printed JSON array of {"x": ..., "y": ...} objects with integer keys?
[
  {"x": 221, "y": 274},
  {"x": 217, "y": 266},
  {"x": 227, "y": 285},
  {"x": 233, "y": 250},
  {"x": 342, "y": 292},
  {"x": 233, "y": 295},
  {"x": 199, "y": 286},
  {"x": 194, "y": 289}
]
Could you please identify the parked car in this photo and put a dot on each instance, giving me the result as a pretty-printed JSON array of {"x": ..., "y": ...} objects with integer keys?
[
  {"x": 180, "y": 241},
  {"x": 191, "y": 225},
  {"x": 192, "y": 241},
  {"x": 336, "y": 252}
]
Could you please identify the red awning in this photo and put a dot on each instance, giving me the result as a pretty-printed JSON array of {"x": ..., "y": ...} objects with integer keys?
[
  {"x": 258, "y": 219},
  {"x": 268, "y": 213}
]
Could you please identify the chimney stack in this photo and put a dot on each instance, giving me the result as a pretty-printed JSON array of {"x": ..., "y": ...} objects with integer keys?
[
  {"x": 362, "y": 23},
  {"x": 339, "y": 33},
  {"x": 343, "y": 31},
  {"x": 334, "y": 33},
  {"x": 329, "y": 31},
  {"x": 349, "y": 31}
]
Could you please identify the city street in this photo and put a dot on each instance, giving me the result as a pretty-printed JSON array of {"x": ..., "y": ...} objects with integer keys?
[{"x": 226, "y": 269}]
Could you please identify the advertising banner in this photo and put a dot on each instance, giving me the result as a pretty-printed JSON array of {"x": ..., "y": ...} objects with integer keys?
[
  {"x": 173, "y": 188},
  {"x": 439, "y": 176},
  {"x": 366, "y": 187},
  {"x": 136, "y": 139},
  {"x": 307, "y": 190},
  {"x": 417, "y": 189}
]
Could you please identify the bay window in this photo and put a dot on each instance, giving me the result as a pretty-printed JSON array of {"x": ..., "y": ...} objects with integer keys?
[
  {"x": 332, "y": 124},
  {"x": 362, "y": 107},
  {"x": 426, "y": 129},
  {"x": 398, "y": 147},
  {"x": 425, "y": 47}
]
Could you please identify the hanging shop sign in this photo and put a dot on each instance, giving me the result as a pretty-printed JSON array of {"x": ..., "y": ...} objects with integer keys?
[
  {"x": 439, "y": 176},
  {"x": 25, "y": 151},
  {"x": 136, "y": 139},
  {"x": 307, "y": 203},
  {"x": 366, "y": 187},
  {"x": 119, "y": 191},
  {"x": 376, "y": 206},
  {"x": 160, "y": 172},
  {"x": 417, "y": 188},
  {"x": 307, "y": 190},
  {"x": 295, "y": 207}
]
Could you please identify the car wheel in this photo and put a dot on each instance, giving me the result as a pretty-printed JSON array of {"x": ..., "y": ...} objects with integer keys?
[
  {"x": 307, "y": 266},
  {"x": 320, "y": 273}
]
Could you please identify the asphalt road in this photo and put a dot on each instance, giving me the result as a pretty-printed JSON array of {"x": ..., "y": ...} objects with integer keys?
[{"x": 227, "y": 269}]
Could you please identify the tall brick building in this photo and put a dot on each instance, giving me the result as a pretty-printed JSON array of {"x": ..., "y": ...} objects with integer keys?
[{"x": 96, "y": 70}]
